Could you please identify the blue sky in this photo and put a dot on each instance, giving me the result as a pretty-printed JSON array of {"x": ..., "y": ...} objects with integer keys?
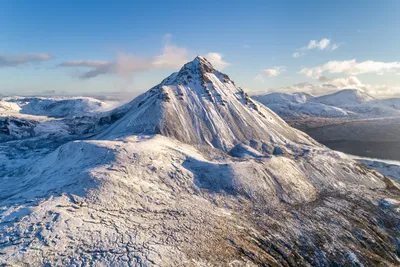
[{"x": 101, "y": 46}]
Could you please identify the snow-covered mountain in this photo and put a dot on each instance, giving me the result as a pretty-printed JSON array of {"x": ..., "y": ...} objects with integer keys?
[
  {"x": 298, "y": 105},
  {"x": 58, "y": 107},
  {"x": 391, "y": 102},
  {"x": 58, "y": 117},
  {"x": 200, "y": 105},
  {"x": 348, "y": 103},
  {"x": 193, "y": 173},
  {"x": 279, "y": 98},
  {"x": 345, "y": 97}
]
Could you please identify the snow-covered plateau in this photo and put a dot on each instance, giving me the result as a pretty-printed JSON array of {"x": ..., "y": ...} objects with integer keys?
[{"x": 191, "y": 173}]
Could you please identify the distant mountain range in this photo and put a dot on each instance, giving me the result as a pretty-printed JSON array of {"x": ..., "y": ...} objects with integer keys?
[
  {"x": 57, "y": 107},
  {"x": 51, "y": 117},
  {"x": 348, "y": 103}
]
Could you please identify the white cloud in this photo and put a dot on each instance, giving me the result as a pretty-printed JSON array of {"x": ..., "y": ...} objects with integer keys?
[
  {"x": 259, "y": 78},
  {"x": 216, "y": 60},
  {"x": 172, "y": 57},
  {"x": 323, "y": 44},
  {"x": 126, "y": 64},
  {"x": 335, "y": 46},
  {"x": 22, "y": 59},
  {"x": 275, "y": 71},
  {"x": 351, "y": 67},
  {"x": 349, "y": 82},
  {"x": 297, "y": 54},
  {"x": 328, "y": 85}
]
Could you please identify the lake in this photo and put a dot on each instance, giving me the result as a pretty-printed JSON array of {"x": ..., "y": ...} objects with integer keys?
[
  {"x": 370, "y": 149},
  {"x": 374, "y": 138}
]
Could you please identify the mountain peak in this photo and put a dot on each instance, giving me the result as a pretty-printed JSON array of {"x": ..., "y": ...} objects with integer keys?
[
  {"x": 199, "y": 64},
  {"x": 198, "y": 72},
  {"x": 345, "y": 97},
  {"x": 200, "y": 105},
  {"x": 202, "y": 61}
]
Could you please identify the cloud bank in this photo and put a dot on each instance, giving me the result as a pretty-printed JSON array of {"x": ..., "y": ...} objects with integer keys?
[
  {"x": 351, "y": 67},
  {"x": 126, "y": 64},
  {"x": 22, "y": 59},
  {"x": 275, "y": 71},
  {"x": 326, "y": 85},
  {"x": 172, "y": 57},
  {"x": 216, "y": 60}
]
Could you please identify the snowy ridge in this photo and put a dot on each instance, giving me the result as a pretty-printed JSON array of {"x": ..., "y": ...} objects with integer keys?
[
  {"x": 55, "y": 117},
  {"x": 391, "y": 102},
  {"x": 345, "y": 97},
  {"x": 279, "y": 98},
  {"x": 53, "y": 107},
  {"x": 348, "y": 103}
]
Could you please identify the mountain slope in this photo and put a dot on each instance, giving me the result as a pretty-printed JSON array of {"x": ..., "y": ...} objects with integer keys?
[
  {"x": 391, "y": 102},
  {"x": 199, "y": 105}
]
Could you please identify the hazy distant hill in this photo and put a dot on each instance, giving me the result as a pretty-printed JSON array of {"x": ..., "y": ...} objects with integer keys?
[{"x": 348, "y": 103}]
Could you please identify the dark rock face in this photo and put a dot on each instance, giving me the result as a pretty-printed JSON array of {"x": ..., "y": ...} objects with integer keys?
[
  {"x": 14, "y": 128},
  {"x": 277, "y": 151}
]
